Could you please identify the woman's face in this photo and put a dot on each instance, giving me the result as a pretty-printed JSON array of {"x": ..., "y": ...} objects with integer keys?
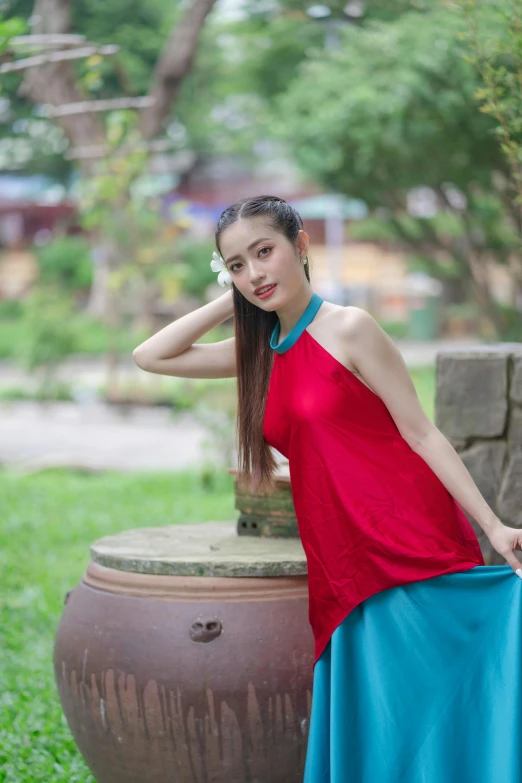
[{"x": 256, "y": 256}]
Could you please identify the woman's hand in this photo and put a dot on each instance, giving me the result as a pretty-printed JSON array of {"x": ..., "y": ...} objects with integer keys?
[{"x": 505, "y": 540}]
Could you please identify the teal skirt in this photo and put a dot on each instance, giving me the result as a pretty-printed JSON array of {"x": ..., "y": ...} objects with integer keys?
[{"x": 422, "y": 683}]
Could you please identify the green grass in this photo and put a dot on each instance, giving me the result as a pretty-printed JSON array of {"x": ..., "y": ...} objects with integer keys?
[
  {"x": 48, "y": 522},
  {"x": 424, "y": 381}
]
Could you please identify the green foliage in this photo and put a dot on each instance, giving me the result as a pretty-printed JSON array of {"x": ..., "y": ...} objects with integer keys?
[
  {"x": 8, "y": 29},
  {"x": 103, "y": 194},
  {"x": 396, "y": 329},
  {"x": 65, "y": 261},
  {"x": 513, "y": 328},
  {"x": 32, "y": 144},
  {"x": 138, "y": 240},
  {"x": 57, "y": 392},
  {"x": 424, "y": 381},
  {"x": 388, "y": 94},
  {"x": 494, "y": 38},
  {"x": 449, "y": 269},
  {"x": 196, "y": 255},
  {"x": 373, "y": 228},
  {"x": 92, "y": 335},
  {"x": 373, "y": 9},
  {"x": 50, "y": 333},
  {"x": 49, "y": 521},
  {"x": 485, "y": 222},
  {"x": 394, "y": 108},
  {"x": 269, "y": 49},
  {"x": 139, "y": 27},
  {"x": 10, "y": 308}
]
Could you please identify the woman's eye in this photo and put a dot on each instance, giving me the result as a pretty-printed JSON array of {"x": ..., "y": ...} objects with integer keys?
[{"x": 238, "y": 263}]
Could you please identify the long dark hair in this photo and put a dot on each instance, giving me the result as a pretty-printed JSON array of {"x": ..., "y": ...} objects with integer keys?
[{"x": 254, "y": 356}]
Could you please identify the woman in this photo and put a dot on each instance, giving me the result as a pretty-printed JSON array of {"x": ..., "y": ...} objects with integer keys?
[{"x": 418, "y": 643}]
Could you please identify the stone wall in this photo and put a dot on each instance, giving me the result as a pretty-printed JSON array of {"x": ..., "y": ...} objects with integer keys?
[{"x": 478, "y": 407}]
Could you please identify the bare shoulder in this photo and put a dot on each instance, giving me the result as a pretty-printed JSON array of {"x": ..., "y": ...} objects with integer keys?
[
  {"x": 344, "y": 317},
  {"x": 353, "y": 333},
  {"x": 359, "y": 327},
  {"x": 344, "y": 323},
  {"x": 352, "y": 317},
  {"x": 337, "y": 331}
]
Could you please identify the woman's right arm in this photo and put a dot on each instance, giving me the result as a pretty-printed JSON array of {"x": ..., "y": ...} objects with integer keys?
[{"x": 172, "y": 351}]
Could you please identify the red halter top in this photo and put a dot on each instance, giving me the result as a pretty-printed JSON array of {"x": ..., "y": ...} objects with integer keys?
[{"x": 371, "y": 512}]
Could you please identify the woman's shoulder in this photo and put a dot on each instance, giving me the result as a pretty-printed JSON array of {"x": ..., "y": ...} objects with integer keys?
[
  {"x": 344, "y": 318},
  {"x": 337, "y": 329}
]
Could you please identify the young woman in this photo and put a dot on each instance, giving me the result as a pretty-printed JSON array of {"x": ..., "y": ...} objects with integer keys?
[{"x": 418, "y": 644}]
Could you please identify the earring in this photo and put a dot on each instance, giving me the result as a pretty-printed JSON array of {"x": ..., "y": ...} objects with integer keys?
[{"x": 305, "y": 260}]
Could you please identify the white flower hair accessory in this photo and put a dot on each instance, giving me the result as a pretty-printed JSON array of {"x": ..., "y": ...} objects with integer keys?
[{"x": 218, "y": 265}]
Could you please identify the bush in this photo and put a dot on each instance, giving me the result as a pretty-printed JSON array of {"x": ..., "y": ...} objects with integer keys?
[
  {"x": 513, "y": 330},
  {"x": 10, "y": 308},
  {"x": 196, "y": 255},
  {"x": 48, "y": 334},
  {"x": 66, "y": 261}
]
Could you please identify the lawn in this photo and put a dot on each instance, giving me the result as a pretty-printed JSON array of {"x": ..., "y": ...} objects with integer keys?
[
  {"x": 424, "y": 381},
  {"x": 49, "y": 521}
]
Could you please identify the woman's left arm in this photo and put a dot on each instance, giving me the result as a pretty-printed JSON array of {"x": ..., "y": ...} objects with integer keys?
[{"x": 381, "y": 364}]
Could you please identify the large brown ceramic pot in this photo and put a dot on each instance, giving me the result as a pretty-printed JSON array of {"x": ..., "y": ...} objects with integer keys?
[{"x": 185, "y": 655}]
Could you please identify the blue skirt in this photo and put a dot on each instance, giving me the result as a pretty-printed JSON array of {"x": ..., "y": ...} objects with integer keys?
[{"x": 422, "y": 683}]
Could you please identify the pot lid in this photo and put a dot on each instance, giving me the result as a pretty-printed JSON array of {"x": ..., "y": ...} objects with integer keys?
[{"x": 199, "y": 549}]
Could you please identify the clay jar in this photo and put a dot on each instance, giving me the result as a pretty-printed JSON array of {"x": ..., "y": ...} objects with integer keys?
[{"x": 185, "y": 655}]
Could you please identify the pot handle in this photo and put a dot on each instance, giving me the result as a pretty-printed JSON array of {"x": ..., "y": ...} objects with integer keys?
[{"x": 203, "y": 630}]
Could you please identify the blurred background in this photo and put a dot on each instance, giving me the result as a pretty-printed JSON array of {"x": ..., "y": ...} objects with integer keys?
[{"x": 126, "y": 128}]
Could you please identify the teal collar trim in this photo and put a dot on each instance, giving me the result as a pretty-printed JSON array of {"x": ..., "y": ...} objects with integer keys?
[{"x": 296, "y": 331}]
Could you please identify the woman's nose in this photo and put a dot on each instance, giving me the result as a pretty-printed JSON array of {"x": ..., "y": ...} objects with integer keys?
[{"x": 256, "y": 276}]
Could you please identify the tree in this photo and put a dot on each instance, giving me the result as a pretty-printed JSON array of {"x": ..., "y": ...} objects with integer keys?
[
  {"x": 494, "y": 40},
  {"x": 392, "y": 109},
  {"x": 56, "y": 84}
]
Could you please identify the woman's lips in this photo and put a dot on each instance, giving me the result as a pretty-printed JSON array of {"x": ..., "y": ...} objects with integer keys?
[{"x": 267, "y": 293}]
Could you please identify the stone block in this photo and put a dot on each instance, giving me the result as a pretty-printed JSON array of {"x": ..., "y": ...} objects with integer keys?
[
  {"x": 459, "y": 444},
  {"x": 516, "y": 380},
  {"x": 485, "y": 461},
  {"x": 515, "y": 426},
  {"x": 471, "y": 395}
]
